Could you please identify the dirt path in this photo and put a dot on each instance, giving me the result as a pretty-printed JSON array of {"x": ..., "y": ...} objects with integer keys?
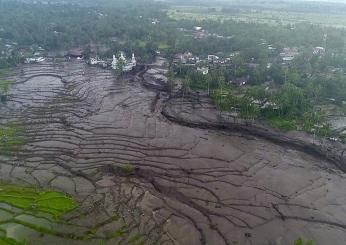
[{"x": 142, "y": 179}]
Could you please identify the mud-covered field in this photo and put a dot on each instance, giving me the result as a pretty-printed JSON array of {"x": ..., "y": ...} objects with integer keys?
[{"x": 141, "y": 179}]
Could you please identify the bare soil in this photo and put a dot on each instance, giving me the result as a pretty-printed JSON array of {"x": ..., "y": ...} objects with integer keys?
[{"x": 84, "y": 128}]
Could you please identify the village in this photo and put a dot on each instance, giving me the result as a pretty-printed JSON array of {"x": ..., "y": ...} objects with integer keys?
[
  {"x": 118, "y": 62},
  {"x": 282, "y": 57},
  {"x": 201, "y": 63}
]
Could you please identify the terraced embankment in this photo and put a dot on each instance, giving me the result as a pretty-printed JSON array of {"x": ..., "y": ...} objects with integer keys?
[{"x": 141, "y": 179}]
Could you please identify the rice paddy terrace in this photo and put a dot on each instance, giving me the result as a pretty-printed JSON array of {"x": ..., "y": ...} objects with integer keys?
[{"x": 104, "y": 166}]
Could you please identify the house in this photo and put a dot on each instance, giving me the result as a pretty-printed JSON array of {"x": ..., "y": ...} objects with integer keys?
[
  {"x": 269, "y": 104},
  {"x": 93, "y": 61},
  {"x": 213, "y": 58},
  {"x": 203, "y": 70},
  {"x": 178, "y": 58},
  {"x": 184, "y": 58},
  {"x": 155, "y": 21},
  {"x": 234, "y": 54},
  {"x": 288, "y": 54},
  {"x": 271, "y": 48},
  {"x": 252, "y": 65},
  {"x": 318, "y": 50},
  {"x": 200, "y": 35},
  {"x": 241, "y": 81},
  {"x": 34, "y": 60},
  {"x": 75, "y": 53},
  {"x": 288, "y": 58},
  {"x": 97, "y": 61}
]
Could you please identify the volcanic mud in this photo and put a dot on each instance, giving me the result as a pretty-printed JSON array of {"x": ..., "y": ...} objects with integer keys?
[
  {"x": 142, "y": 179},
  {"x": 195, "y": 110}
]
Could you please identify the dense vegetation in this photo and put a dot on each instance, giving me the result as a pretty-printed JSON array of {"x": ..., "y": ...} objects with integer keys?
[
  {"x": 122, "y": 25},
  {"x": 289, "y": 97}
]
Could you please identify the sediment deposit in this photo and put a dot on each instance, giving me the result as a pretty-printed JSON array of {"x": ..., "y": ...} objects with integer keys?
[{"x": 140, "y": 177}]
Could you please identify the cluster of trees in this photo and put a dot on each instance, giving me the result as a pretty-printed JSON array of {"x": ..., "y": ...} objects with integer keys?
[
  {"x": 61, "y": 26},
  {"x": 142, "y": 26},
  {"x": 287, "y": 108},
  {"x": 247, "y": 37},
  {"x": 138, "y": 26},
  {"x": 285, "y": 95}
]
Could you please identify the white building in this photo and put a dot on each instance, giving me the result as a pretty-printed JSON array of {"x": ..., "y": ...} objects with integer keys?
[
  {"x": 128, "y": 65},
  {"x": 93, "y": 61},
  {"x": 34, "y": 60},
  {"x": 318, "y": 50},
  {"x": 203, "y": 70},
  {"x": 213, "y": 58},
  {"x": 97, "y": 61},
  {"x": 114, "y": 63}
]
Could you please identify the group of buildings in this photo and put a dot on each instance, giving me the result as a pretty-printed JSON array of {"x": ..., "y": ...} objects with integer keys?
[
  {"x": 10, "y": 49},
  {"x": 287, "y": 55},
  {"x": 119, "y": 62},
  {"x": 188, "y": 58},
  {"x": 116, "y": 63}
]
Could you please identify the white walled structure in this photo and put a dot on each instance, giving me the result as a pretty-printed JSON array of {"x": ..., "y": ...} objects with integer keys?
[{"x": 128, "y": 65}]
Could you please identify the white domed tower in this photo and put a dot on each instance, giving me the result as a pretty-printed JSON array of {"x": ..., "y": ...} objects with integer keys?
[
  {"x": 122, "y": 57},
  {"x": 133, "y": 60},
  {"x": 114, "y": 63}
]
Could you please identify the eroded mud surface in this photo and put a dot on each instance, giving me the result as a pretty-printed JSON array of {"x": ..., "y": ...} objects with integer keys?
[{"x": 83, "y": 130}]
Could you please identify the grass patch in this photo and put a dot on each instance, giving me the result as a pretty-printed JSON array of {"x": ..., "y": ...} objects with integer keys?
[
  {"x": 9, "y": 241},
  {"x": 136, "y": 239},
  {"x": 11, "y": 138},
  {"x": 300, "y": 241},
  {"x": 142, "y": 44},
  {"x": 34, "y": 200},
  {"x": 283, "y": 124},
  {"x": 119, "y": 233},
  {"x": 343, "y": 138},
  {"x": 127, "y": 169},
  {"x": 270, "y": 17},
  {"x": 4, "y": 71},
  {"x": 4, "y": 85},
  {"x": 163, "y": 46}
]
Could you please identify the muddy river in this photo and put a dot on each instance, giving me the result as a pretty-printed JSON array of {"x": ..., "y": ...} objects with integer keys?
[{"x": 99, "y": 139}]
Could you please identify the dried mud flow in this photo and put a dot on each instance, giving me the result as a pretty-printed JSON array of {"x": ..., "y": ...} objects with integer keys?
[{"x": 141, "y": 179}]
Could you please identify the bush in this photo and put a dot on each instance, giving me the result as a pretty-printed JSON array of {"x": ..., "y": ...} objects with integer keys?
[
  {"x": 283, "y": 124},
  {"x": 3, "y": 98},
  {"x": 343, "y": 138},
  {"x": 300, "y": 241},
  {"x": 127, "y": 169},
  {"x": 4, "y": 85}
]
